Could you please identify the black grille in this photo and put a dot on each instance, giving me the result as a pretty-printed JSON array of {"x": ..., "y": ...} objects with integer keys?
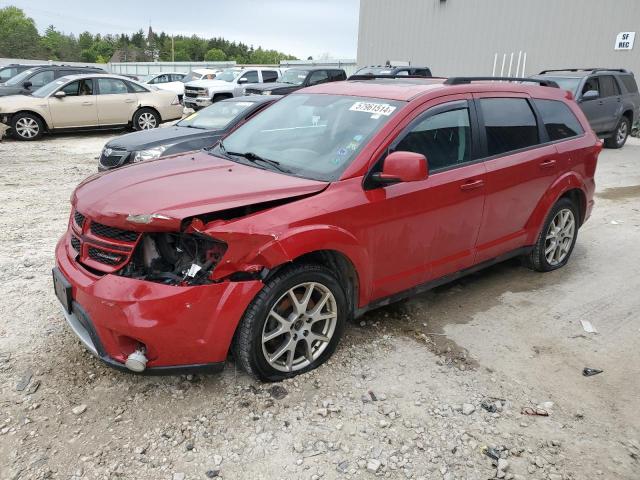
[
  {"x": 192, "y": 92},
  {"x": 114, "y": 159},
  {"x": 102, "y": 256},
  {"x": 75, "y": 243},
  {"x": 78, "y": 218},
  {"x": 113, "y": 233}
]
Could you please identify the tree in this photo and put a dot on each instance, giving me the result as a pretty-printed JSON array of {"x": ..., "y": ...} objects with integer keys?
[
  {"x": 19, "y": 36},
  {"x": 215, "y": 55}
]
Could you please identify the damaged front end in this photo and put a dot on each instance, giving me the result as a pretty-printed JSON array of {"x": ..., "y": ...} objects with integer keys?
[{"x": 175, "y": 258}]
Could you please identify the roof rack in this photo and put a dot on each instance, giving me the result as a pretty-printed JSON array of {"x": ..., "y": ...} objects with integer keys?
[
  {"x": 463, "y": 80},
  {"x": 595, "y": 69},
  {"x": 371, "y": 76}
]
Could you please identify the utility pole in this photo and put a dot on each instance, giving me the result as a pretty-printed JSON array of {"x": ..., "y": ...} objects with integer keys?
[{"x": 173, "y": 55}]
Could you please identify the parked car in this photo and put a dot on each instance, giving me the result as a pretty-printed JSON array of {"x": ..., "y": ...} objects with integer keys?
[
  {"x": 34, "y": 78},
  {"x": 230, "y": 83},
  {"x": 171, "y": 81},
  {"x": 335, "y": 200},
  {"x": 296, "y": 78},
  {"x": 11, "y": 70},
  {"x": 395, "y": 70},
  {"x": 608, "y": 97},
  {"x": 199, "y": 130},
  {"x": 87, "y": 101}
]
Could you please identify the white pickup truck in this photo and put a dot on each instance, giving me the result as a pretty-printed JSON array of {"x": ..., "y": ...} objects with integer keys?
[{"x": 230, "y": 83}]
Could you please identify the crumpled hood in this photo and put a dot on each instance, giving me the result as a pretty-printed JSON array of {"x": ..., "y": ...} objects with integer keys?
[
  {"x": 158, "y": 136},
  {"x": 181, "y": 187},
  {"x": 210, "y": 84}
]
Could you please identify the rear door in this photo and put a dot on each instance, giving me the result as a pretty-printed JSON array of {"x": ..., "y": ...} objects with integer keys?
[
  {"x": 116, "y": 104},
  {"x": 78, "y": 108},
  {"x": 611, "y": 102},
  {"x": 521, "y": 165}
]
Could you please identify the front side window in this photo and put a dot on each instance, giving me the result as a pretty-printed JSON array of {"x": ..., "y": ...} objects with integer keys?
[
  {"x": 250, "y": 77},
  {"x": 319, "y": 76},
  {"x": 509, "y": 124},
  {"x": 311, "y": 136},
  {"x": 444, "y": 138},
  {"x": 609, "y": 86},
  {"x": 559, "y": 120},
  {"x": 160, "y": 79},
  {"x": 78, "y": 88},
  {"x": 42, "y": 78},
  {"x": 111, "y": 86},
  {"x": 216, "y": 116},
  {"x": 591, "y": 84}
]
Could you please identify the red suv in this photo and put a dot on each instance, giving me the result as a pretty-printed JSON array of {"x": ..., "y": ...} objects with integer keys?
[{"x": 339, "y": 198}]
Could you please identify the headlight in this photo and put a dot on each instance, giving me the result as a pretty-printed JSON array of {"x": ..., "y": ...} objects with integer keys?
[
  {"x": 175, "y": 101},
  {"x": 149, "y": 154},
  {"x": 266, "y": 92}
]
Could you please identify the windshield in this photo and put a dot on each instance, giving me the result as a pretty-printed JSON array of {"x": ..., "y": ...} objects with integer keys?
[
  {"x": 228, "y": 75},
  {"x": 18, "y": 79},
  {"x": 294, "y": 77},
  {"x": 216, "y": 116},
  {"x": 312, "y": 136},
  {"x": 189, "y": 77},
  {"x": 374, "y": 71},
  {"x": 566, "y": 83},
  {"x": 49, "y": 87}
]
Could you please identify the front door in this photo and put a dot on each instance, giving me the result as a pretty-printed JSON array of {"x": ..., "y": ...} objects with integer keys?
[
  {"x": 78, "y": 108},
  {"x": 593, "y": 109},
  {"x": 116, "y": 104},
  {"x": 429, "y": 228}
]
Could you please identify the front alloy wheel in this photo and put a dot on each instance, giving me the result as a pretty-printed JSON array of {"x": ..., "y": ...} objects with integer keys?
[{"x": 293, "y": 324}]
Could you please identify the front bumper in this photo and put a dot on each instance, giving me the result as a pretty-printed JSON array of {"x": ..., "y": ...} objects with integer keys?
[
  {"x": 197, "y": 101},
  {"x": 182, "y": 328}
]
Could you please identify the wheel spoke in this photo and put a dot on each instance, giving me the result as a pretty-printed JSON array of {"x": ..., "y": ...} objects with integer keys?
[
  {"x": 320, "y": 305},
  {"x": 285, "y": 347},
  {"x": 317, "y": 336},
  {"x": 274, "y": 334}
]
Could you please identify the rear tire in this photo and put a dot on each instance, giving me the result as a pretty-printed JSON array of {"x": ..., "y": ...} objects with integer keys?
[
  {"x": 278, "y": 337},
  {"x": 557, "y": 238},
  {"x": 619, "y": 138},
  {"x": 146, "y": 119},
  {"x": 26, "y": 126}
]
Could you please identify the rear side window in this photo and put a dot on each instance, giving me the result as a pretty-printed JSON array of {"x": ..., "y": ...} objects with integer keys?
[
  {"x": 629, "y": 83},
  {"x": 269, "y": 76},
  {"x": 111, "y": 86},
  {"x": 319, "y": 76},
  {"x": 134, "y": 87},
  {"x": 444, "y": 138},
  {"x": 509, "y": 124},
  {"x": 336, "y": 75},
  {"x": 609, "y": 86},
  {"x": 559, "y": 120}
]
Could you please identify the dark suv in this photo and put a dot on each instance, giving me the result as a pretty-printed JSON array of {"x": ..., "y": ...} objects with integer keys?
[
  {"x": 608, "y": 97},
  {"x": 395, "y": 70},
  {"x": 11, "y": 70},
  {"x": 296, "y": 78},
  {"x": 34, "y": 78}
]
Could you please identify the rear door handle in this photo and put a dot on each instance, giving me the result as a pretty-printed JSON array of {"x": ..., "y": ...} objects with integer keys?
[
  {"x": 86, "y": 104},
  {"x": 129, "y": 100},
  {"x": 473, "y": 185},
  {"x": 548, "y": 164}
]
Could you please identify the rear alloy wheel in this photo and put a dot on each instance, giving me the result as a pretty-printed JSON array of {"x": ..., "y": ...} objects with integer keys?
[
  {"x": 620, "y": 137},
  {"x": 146, "y": 119},
  {"x": 26, "y": 126},
  {"x": 557, "y": 238},
  {"x": 293, "y": 325}
]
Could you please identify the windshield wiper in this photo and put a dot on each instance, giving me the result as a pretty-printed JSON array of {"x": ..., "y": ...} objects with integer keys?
[{"x": 253, "y": 158}]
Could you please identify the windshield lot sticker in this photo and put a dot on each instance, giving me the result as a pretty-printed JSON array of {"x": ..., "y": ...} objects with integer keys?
[
  {"x": 342, "y": 152},
  {"x": 376, "y": 109}
]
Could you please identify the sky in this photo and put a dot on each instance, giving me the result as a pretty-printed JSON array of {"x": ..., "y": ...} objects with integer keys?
[{"x": 299, "y": 27}]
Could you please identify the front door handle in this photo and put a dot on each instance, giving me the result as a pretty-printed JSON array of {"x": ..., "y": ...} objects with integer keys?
[
  {"x": 129, "y": 100},
  {"x": 548, "y": 164},
  {"x": 86, "y": 104},
  {"x": 473, "y": 185}
]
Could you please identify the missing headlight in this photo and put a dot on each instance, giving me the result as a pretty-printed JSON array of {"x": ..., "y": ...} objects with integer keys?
[{"x": 175, "y": 258}]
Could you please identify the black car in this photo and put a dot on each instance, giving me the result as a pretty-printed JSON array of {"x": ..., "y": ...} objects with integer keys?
[
  {"x": 395, "y": 70},
  {"x": 11, "y": 70},
  {"x": 608, "y": 97},
  {"x": 296, "y": 78},
  {"x": 34, "y": 78},
  {"x": 199, "y": 130}
]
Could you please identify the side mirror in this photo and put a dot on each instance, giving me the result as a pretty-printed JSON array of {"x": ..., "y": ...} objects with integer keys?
[
  {"x": 243, "y": 80},
  {"x": 402, "y": 167},
  {"x": 59, "y": 94},
  {"x": 590, "y": 95},
  {"x": 27, "y": 84}
]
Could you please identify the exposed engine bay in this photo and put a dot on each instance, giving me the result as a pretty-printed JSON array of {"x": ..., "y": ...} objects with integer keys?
[{"x": 175, "y": 258}]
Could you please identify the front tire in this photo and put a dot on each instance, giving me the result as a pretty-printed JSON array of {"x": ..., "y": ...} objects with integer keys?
[
  {"x": 146, "y": 119},
  {"x": 293, "y": 325},
  {"x": 557, "y": 238},
  {"x": 618, "y": 139},
  {"x": 26, "y": 126}
]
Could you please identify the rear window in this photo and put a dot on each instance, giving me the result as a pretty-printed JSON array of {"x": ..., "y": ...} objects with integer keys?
[
  {"x": 509, "y": 124},
  {"x": 629, "y": 83},
  {"x": 608, "y": 86},
  {"x": 559, "y": 120}
]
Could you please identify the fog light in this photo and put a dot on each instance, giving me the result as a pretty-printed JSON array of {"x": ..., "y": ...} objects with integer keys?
[{"x": 137, "y": 361}]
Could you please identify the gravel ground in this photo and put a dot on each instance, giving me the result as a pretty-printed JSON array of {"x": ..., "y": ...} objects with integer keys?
[{"x": 432, "y": 387}]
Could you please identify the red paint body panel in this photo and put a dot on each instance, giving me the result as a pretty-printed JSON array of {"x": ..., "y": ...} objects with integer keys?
[{"x": 395, "y": 237}]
